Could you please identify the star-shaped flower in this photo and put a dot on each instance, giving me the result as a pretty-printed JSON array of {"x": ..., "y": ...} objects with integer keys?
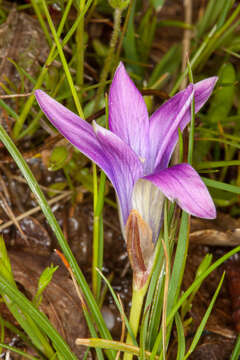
[{"x": 136, "y": 150}]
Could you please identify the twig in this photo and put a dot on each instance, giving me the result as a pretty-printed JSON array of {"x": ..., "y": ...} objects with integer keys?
[
  {"x": 13, "y": 218},
  {"x": 15, "y": 95},
  {"x": 35, "y": 210}
]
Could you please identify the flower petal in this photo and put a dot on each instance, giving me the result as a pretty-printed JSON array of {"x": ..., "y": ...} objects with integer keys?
[
  {"x": 183, "y": 184},
  {"x": 128, "y": 116},
  {"x": 126, "y": 168},
  {"x": 72, "y": 127},
  {"x": 116, "y": 158},
  {"x": 202, "y": 91},
  {"x": 164, "y": 124},
  {"x": 174, "y": 114}
]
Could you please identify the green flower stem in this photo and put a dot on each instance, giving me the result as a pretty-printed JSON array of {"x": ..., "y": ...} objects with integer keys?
[
  {"x": 135, "y": 314},
  {"x": 108, "y": 61}
]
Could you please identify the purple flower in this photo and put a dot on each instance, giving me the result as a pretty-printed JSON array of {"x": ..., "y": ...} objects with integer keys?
[{"x": 135, "y": 152}]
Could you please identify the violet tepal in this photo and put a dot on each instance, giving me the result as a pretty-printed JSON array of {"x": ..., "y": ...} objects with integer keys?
[{"x": 136, "y": 150}]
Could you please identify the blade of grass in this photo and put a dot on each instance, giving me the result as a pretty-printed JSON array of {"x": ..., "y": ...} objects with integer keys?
[
  {"x": 215, "y": 164},
  {"x": 213, "y": 43},
  {"x": 222, "y": 186},
  {"x": 199, "y": 280},
  {"x": 109, "y": 59},
  {"x": 2, "y": 334},
  {"x": 177, "y": 274},
  {"x": 35, "y": 5},
  {"x": 143, "y": 335},
  {"x": 63, "y": 60},
  {"x": 129, "y": 42},
  {"x": 27, "y": 307},
  {"x": 222, "y": 141},
  {"x": 204, "y": 320},
  {"x": 19, "y": 352},
  {"x": 58, "y": 232},
  {"x": 191, "y": 288},
  {"x": 194, "y": 59},
  {"x": 16, "y": 331},
  {"x": 236, "y": 351},
  {"x": 52, "y": 55},
  {"x": 32, "y": 330},
  {"x": 155, "y": 295},
  {"x": 80, "y": 47},
  {"x": 165, "y": 244},
  {"x": 206, "y": 262},
  {"x": 8, "y": 109},
  {"x": 180, "y": 337},
  {"x": 87, "y": 315},
  {"x": 119, "y": 306},
  {"x": 191, "y": 127},
  {"x": 155, "y": 291},
  {"x": 21, "y": 119},
  {"x": 95, "y": 247},
  {"x": 114, "y": 345}
]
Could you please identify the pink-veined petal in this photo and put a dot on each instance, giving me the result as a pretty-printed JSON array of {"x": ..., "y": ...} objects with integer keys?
[
  {"x": 109, "y": 152},
  {"x": 181, "y": 183},
  {"x": 72, "y": 127},
  {"x": 125, "y": 165},
  {"x": 164, "y": 124},
  {"x": 128, "y": 116},
  {"x": 172, "y": 115}
]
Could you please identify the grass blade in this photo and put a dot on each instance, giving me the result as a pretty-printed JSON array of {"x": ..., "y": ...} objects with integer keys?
[
  {"x": 204, "y": 320},
  {"x": 57, "y": 231}
]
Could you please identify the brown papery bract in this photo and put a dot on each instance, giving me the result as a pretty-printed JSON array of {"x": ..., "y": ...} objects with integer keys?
[{"x": 140, "y": 247}]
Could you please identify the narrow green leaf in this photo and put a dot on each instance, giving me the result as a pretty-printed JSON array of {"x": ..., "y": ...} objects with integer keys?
[
  {"x": 19, "y": 352},
  {"x": 43, "y": 282},
  {"x": 58, "y": 232},
  {"x": 204, "y": 320},
  {"x": 118, "y": 306},
  {"x": 180, "y": 337},
  {"x": 27, "y": 308},
  {"x": 222, "y": 186},
  {"x": 216, "y": 164},
  {"x": 236, "y": 352}
]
